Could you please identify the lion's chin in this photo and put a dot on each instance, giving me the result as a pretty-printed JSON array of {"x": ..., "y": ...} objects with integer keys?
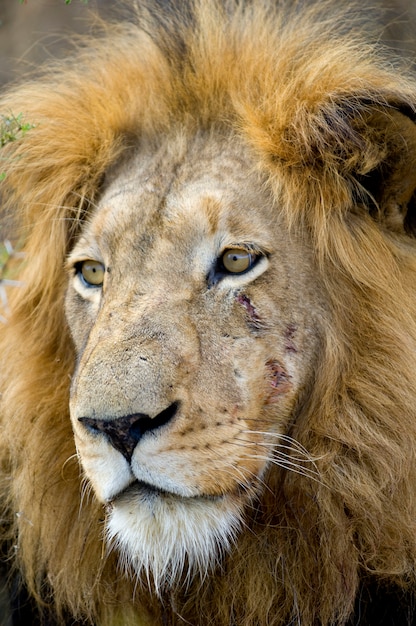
[{"x": 163, "y": 538}]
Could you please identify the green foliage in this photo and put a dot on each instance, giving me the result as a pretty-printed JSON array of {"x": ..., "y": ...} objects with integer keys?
[
  {"x": 4, "y": 257},
  {"x": 10, "y": 259},
  {"x": 12, "y": 127}
]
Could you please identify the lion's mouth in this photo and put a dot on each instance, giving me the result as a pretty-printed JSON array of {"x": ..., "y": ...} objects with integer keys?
[
  {"x": 140, "y": 489},
  {"x": 146, "y": 492}
]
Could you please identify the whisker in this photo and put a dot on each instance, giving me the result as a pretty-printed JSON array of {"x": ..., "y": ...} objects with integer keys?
[
  {"x": 289, "y": 455},
  {"x": 86, "y": 492},
  {"x": 286, "y": 464},
  {"x": 305, "y": 458},
  {"x": 293, "y": 445},
  {"x": 296, "y": 444}
]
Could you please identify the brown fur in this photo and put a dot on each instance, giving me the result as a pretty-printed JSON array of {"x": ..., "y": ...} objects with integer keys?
[{"x": 329, "y": 123}]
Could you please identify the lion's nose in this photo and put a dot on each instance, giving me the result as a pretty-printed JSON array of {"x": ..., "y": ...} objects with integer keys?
[{"x": 125, "y": 432}]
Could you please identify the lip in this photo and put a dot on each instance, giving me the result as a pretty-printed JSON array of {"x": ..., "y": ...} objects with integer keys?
[
  {"x": 138, "y": 488},
  {"x": 146, "y": 491}
]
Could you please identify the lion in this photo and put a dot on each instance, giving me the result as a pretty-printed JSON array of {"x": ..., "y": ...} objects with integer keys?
[{"x": 207, "y": 375}]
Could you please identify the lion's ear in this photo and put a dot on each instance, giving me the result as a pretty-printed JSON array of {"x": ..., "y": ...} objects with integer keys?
[{"x": 390, "y": 185}]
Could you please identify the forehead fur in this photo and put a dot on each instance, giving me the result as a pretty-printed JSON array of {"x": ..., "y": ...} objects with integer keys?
[{"x": 183, "y": 182}]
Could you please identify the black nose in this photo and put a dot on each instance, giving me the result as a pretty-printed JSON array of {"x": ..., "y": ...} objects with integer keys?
[{"x": 125, "y": 432}]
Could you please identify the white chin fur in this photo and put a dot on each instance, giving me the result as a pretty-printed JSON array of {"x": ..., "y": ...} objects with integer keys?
[{"x": 165, "y": 538}]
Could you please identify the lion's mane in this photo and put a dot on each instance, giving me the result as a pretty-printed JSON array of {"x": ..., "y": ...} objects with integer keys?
[{"x": 330, "y": 121}]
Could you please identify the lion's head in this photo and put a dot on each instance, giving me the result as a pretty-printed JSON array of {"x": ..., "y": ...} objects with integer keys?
[
  {"x": 190, "y": 363},
  {"x": 207, "y": 376}
]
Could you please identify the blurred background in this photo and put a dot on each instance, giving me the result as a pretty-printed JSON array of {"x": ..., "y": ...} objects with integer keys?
[{"x": 31, "y": 31}]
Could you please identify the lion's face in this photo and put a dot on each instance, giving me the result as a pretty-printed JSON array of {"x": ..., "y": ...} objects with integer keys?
[{"x": 196, "y": 320}]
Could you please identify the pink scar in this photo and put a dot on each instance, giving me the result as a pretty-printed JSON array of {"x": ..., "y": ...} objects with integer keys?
[
  {"x": 289, "y": 338},
  {"x": 255, "y": 319},
  {"x": 278, "y": 381}
]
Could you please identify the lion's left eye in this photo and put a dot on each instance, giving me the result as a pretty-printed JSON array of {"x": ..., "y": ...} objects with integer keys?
[
  {"x": 237, "y": 260},
  {"x": 91, "y": 273}
]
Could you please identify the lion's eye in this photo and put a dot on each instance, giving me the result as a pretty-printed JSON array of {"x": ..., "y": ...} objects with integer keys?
[
  {"x": 91, "y": 273},
  {"x": 237, "y": 260}
]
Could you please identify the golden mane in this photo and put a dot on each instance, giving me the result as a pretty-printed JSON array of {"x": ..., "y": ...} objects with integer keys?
[{"x": 328, "y": 118}]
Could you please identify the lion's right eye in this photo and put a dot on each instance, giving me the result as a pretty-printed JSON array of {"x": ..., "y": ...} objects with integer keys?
[{"x": 91, "y": 273}]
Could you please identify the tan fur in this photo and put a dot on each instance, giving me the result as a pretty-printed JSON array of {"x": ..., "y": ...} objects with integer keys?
[{"x": 296, "y": 380}]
